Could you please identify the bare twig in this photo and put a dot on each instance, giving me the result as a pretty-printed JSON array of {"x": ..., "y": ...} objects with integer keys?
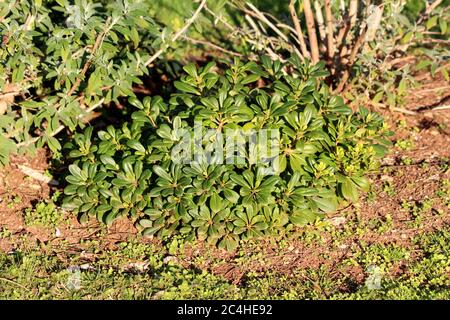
[
  {"x": 263, "y": 18},
  {"x": 254, "y": 12},
  {"x": 440, "y": 108},
  {"x": 342, "y": 35},
  {"x": 401, "y": 110},
  {"x": 342, "y": 7},
  {"x": 179, "y": 33},
  {"x": 311, "y": 31},
  {"x": 37, "y": 175},
  {"x": 418, "y": 92},
  {"x": 431, "y": 40},
  {"x": 219, "y": 18},
  {"x": 298, "y": 30},
  {"x": 399, "y": 60},
  {"x": 267, "y": 48},
  {"x": 13, "y": 282}
]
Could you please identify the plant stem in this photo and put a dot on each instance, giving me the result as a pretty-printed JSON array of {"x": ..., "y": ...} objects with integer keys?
[
  {"x": 330, "y": 37},
  {"x": 311, "y": 31},
  {"x": 97, "y": 44},
  {"x": 320, "y": 21},
  {"x": 298, "y": 30}
]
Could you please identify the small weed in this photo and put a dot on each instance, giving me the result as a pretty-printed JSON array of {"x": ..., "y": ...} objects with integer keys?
[
  {"x": 45, "y": 214},
  {"x": 389, "y": 188},
  {"x": 4, "y": 233},
  {"x": 405, "y": 144},
  {"x": 407, "y": 161}
]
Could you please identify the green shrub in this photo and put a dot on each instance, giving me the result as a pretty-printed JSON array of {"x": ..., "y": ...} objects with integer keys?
[
  {"x": 324, "y": 151},
  {"x": 62, "y": 59}
]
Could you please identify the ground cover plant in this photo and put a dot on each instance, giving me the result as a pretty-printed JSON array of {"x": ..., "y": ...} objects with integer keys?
[
  {"x": 232, "y": 149},
  {"x": 323, "y": 152}
]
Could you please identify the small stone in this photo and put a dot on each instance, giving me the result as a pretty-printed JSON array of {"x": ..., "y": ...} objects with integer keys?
[
  {"x": 337, "y": 221},
  {"x": 169, "y": 259},
  {"x": 85, "y": 266}
]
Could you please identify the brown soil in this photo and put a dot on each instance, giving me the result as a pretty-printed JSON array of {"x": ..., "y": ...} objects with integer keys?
[{"x": 412, "y": 183}]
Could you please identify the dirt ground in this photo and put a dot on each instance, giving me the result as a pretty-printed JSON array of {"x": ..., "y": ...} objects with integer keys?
[{"x": 409, "y": 175}]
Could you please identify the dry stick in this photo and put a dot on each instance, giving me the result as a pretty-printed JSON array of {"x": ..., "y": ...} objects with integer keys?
[
  {"x": 212, "y": 45},
  {"x": 440, "y": 108},
  {"x": 330, "y": 38},
  {"x": 311, "y": 31},
  {"x": 61, "y": 127},
  {"x": 260, "y": 16},
  {"x": 435, "y": 41},
  {"x": 263, "y": 18},
  {"x": 342, "y": 34},
  {"x": 395, "y": 61},
  {"x": 270, "y": 52},
  {"x": 13, "y": 282},
  {"x": 401, "y": 110},
  {"x": 298, "y": 30},
  {"x": 179, "y": 33},
  {"x": 418, "y": 92}
]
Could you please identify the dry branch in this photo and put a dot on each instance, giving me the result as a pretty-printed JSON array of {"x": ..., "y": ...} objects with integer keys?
[
  {"x": 311, "y": 31},
  {"x": 298, "y": 30},
  {"x": 263, "y": 18}
]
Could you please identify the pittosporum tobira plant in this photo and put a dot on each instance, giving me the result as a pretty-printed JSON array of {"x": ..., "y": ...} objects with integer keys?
[{"x": 254, "y": 151}]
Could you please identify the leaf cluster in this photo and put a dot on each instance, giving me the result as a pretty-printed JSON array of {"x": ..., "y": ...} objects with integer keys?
[{"x": 325, "y": 151}]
